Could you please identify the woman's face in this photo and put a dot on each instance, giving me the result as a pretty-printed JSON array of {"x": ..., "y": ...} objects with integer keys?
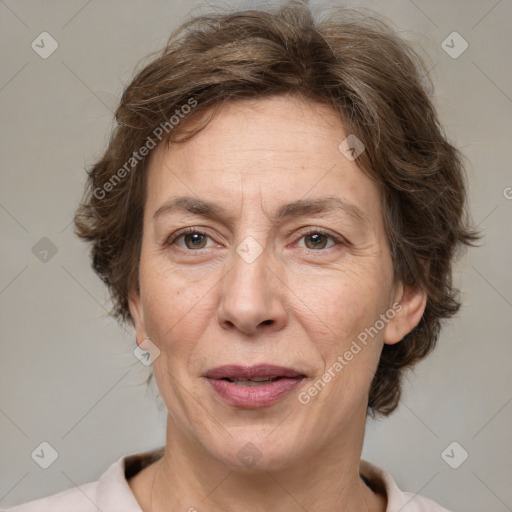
[{"x": 285, "y": 264}]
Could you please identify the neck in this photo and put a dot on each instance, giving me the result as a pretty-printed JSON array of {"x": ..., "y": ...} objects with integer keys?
[{"x": 188, "y": 478}]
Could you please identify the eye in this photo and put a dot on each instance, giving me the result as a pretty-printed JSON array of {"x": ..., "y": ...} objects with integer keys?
[
  {"x": 190, "y": 238},
  {"x": 317, "y": 239}
]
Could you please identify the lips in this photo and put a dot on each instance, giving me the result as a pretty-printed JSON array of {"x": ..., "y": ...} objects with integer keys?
[
  {"x": 262, "y": 371},
  {"x": 253, "y": 386}
]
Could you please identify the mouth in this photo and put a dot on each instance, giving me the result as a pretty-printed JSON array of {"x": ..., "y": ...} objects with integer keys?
[
  {"x": 258, "y": 381},
  {"x": 254, "y": 373},
  {"x": 253, "y": 386}
]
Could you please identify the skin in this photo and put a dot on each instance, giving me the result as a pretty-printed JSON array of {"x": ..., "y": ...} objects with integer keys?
[{"x": 297, "y": 305}]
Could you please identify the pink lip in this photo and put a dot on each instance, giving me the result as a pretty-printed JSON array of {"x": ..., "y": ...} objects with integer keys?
[
  {"x": 233, "y": 371},
  {"x": 253, "y": 397}
]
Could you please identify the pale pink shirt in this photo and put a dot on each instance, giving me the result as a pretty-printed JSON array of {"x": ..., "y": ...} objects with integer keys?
[{"x": 111, "y": 493}]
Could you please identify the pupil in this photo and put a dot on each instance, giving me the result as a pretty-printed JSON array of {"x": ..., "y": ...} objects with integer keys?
[
  {"x": 316, "y": 240},
  {"x": 195, "y": 238}
]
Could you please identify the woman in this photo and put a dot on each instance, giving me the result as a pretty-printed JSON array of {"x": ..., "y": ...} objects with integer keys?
[{"x": 276, "y": 214}]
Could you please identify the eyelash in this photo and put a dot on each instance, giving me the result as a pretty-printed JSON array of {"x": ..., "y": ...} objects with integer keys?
[{"x": 317, "y": 231}]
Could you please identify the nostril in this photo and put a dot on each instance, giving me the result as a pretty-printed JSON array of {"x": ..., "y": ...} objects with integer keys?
[{"x": 267, "y": 322}]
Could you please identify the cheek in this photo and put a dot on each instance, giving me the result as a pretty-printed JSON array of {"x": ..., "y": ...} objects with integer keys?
[
  {"x": 348, "y": 346},
  {"x": 340, "y": 304},
  {"x": 176, "y": 308},
  {"x": 176, "y": 312}
]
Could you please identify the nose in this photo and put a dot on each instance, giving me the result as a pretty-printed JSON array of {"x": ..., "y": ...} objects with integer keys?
[{"x": 252, "y": 297}]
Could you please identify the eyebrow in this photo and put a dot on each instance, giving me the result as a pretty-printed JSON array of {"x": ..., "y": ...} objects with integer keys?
[{"x": 299, "y": 208}]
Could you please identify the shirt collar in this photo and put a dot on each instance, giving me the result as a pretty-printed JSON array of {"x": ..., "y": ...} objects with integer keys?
[{"x": 114, "y": 493}]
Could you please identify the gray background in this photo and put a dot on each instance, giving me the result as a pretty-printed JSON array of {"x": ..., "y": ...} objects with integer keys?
[{"x": 67, "y": 372}]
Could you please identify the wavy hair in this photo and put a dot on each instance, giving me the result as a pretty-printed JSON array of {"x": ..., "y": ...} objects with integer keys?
[{"x": 353, "y": 62}]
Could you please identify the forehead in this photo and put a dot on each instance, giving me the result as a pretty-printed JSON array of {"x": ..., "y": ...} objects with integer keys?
[{"x": 269, "y": 151}]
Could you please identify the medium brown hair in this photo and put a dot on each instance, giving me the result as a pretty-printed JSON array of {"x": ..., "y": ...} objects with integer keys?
[{"x": 354, "y": 63}]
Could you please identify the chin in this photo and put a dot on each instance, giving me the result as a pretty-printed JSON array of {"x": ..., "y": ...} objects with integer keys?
[{"x": 253, "y": 450}]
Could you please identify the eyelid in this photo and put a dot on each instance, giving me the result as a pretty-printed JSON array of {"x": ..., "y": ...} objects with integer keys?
[
  {"x": 181, "y": 232},
  {"x": 322, "y": 231},
  {"x": 305, "y": 232}
]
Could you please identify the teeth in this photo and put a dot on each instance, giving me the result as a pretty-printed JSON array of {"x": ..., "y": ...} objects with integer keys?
[{"x": 257, "y": 381}]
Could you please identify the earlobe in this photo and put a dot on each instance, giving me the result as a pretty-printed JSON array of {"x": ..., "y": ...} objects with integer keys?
[
  {"x": 412, "y": 302},
  {"x": 137, "y": 314}
]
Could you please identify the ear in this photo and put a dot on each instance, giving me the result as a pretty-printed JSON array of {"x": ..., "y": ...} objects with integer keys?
[
  {"x": 137, "y": 314},
  {"x": 411, "y": 302}
]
